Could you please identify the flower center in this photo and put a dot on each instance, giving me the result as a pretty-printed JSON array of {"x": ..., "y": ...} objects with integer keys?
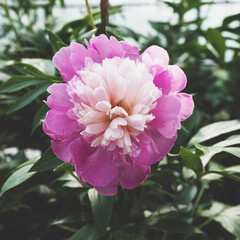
[{"x": 113, "y": 102}]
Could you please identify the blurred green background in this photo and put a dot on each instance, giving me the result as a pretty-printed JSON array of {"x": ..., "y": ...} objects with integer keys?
[{"x": 193, "y": 194}]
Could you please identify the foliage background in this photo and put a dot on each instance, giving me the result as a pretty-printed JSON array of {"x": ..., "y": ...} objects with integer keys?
[{"x": 192, "y": 194}]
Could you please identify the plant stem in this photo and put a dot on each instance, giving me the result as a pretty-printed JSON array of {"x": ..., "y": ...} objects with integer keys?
[
  {"x": 195, "y": 206},
  {"x": 164, "y": 237},
  {"x": 90, "y": 14},
  {"x": 104, "y": 5},
  {"x": 206, "y": 222}
]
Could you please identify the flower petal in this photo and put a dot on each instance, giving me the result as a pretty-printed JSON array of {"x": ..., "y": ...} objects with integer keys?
[
  {"x": 179, "y": 79},
  {"x": 162, "y": 80},
  {"x": 133, "y": 174},
  {"x": 62, "y": 62},
  {"x": 157, "y": 56},
  {"x": 131, "y": 51},
  {"x": 58, "y": 125},
  {"x": 159, "y": 146},
  {"x": 95, "y": 165},
  {"x": 187, "y": 105},
  {"x": 166, "y": 115},
  {"x": 110, "y": 189},
  {"x": 59, "y": 99},
  {"x": 61, "y": 148},
  {"x": 107, "y": 48}
]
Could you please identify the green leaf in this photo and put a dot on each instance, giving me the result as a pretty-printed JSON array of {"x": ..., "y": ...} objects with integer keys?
[
  {"x": 173, "y": 226},
  {"x": 87, "y": 232},
  {"x": 64, "y": 167},
  {"x": 227, "y": 174},
  {"x": 191, "y": 160},
  {"x": 101, "y": 207},
  {"x": 44, "y": 65},
  {"x": 215, "y": 129},
  {"x": 47, "y": 162},
  {"x": 231, "y": 18},
  {"x": 39, "y": 117},
  {"x": 216, "y": 39},
  {"x": 55, "y": 41},
  {"x": 134, "y": 233},
  {"x": 28, "y": 69},
  {"x": 227, "y": 216},
  {"x": 28, "y": 98},
  {"x": 17, "y": 83},
  {"x": 233, "y": 150},
  {"x": 19, "y": 176},
  {"x": 233, "y": 140},
  {"x": 187, "y": 195}
]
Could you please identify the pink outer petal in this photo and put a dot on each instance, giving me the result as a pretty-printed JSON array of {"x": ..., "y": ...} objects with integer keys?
[
  {"x": 167, "y": 115},
  {"x": 94, "y": 165},
  {"x": 133, "y": 174},
  {"x": 110, "y": 189},
  {"x": 59, "y": 99},
  {"x": 156, "y": 149},
  {"x": 58, "y": 125},
  {"x": 78, "y": 55},
  {"x": 131, "y": 51},
  {"x": 160, "y": 146},
  {"x": 179, "y": 79},
  {"x": 157, "y": 55},
  {"x": 61, "y": 60},
  {"x": 163, "y": 81},
  {"x": 187, "y": 105},
  {"x": 106, "y": 48},
  {"x": 62, "y": 148}
]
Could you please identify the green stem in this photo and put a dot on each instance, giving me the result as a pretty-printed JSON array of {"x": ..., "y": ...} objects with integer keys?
[
  {"x": 72, "y": 174},
  {"x": 206, "y": 222},
  {"x": 195, "y": 206},
  {"x": 164, "y": 237},
  {"x": 90, "y": 14}
]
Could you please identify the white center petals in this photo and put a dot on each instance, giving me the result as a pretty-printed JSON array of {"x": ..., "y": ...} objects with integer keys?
[
  {"x": 113, "y": 101},
  {"x": 103, "y": 106}
]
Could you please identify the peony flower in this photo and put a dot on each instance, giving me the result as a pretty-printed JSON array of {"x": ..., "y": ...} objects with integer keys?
[{"x": 117, "y": 113}]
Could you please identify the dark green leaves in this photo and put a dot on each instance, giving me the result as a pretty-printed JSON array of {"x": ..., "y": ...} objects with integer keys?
[
  {"x": 17, "y": 83},
  {"x": 87, "y": 232},
  {"x": 19, "y": 176},
  {"x": 28, "y": 98},
  {"x": 191, "y": 160},
  {"x": 48, "y": 161},
  {"x": 217, "y": 41},
  {"x": 55, "y": 41},
  {"x": 101, "y": 207},
  {"x": 39, "y": 117},
  {"x": 173, "y": 226},
  {"x": 30, "y": 70}
]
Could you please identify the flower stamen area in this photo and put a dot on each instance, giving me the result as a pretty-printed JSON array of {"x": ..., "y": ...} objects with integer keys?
[{"x": 113, "y": 102}]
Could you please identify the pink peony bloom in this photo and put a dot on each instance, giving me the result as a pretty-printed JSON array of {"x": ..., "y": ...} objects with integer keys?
[{"x": 117, "y": 113}]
